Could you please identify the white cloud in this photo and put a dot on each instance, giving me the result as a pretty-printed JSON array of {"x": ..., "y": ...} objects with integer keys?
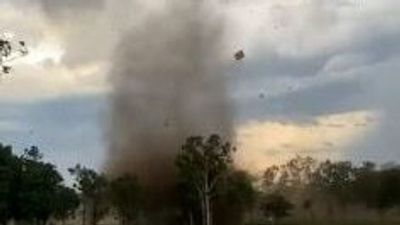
[
  {"x": 29, "y": 83},
  {"x": 45, "y": 72}
]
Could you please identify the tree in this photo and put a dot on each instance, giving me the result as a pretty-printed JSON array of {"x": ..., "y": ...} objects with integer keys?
[
  {"x": 125, "y": 196},
  {"x": 8, "y": 53},
  {"x": 290, "y": 177},
  {"x": 235, "y": 194},
  {"x": 334, "y": 180},
  {"x": 31, "y": 190},
  {"x": 388, "y": 194},
  {"x": 275, "y": 206},
  {"x": 66, "y": 201},
  {"x": 6, "y": 165},
  {"x": 366, "y": 184},
  {"x": 93, "y": 189},
  {"x": 202, "y": 163},
  {"x": 37, "y": 183},
  {"x": 28, "y": 186}
]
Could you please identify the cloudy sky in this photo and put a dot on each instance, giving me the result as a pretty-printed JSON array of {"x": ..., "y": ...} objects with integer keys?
[{"x": 320, "y": 77}]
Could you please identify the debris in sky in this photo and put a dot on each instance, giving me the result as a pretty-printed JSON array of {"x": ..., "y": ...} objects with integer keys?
[
  {"x": 328, "y": 144},
  {"x": 287, "y": 146},
  {"x": 239, "y": 55},
  {"x": 166, "y": 123},
  {"x": 23, "y": 49},
  {"x": 335, "y": 125},
  {"x": 6, "y": 69},
  {"x": 291, "y": 88},
  {"x": 261, "y": 95},
  {"x": 360, "y": 124}
]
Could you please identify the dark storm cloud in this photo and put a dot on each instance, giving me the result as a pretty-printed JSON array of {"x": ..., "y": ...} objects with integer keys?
[
  {"x": 274, "y": 64},
  {"x": 331, "y": 98},
  {"x": 359, "y": 59},
  {"x": 306, "y": 104},
  {"x": 382, "y": 83}
]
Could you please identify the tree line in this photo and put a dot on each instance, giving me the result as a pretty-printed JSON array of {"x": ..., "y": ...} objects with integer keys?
[
  {"x": 32, "y": 191},
  {"x": 330, "y": 190},
  {"x": 209, "y": 189}
]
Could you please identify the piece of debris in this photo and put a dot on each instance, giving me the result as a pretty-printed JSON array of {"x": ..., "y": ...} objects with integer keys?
[
  {"x": 166, "y": 123},
  {"x": 360, "y": 124},
  {"x": 261, "y": 95},
  {"x": 328, "y": 144},
  {"x": 239, "y": 55},
  {"x": 6, "y": 69}
]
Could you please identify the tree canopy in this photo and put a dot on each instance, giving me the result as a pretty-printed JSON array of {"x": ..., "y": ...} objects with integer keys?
[{"x": 31, "y": 189}]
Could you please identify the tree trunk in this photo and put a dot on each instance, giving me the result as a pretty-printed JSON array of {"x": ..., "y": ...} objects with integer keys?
[
  {"x": 208, "y": 209},
  {"x": 84, "y": 215},
  {"x": 203, "y": 211},
  {"x": 93, "y": 217},
  {"x": 191, "y": 218}
]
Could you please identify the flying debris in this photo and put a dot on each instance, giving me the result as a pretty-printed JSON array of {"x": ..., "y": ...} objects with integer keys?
[
  {"x": 261, "y": 95},
  {"x": 291, "y": 88},
  {"x": 6, "y": 69},
  {"x": 360, "y": 124},
  {"x": 328, "y": 144},
  {"x": 166, "y": 123},
  {"x": 23, "y": 50},
  {"x": 239, "y": 55}
]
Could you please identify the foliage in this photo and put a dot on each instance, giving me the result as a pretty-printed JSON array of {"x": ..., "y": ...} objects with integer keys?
[
  {"x": 6, "y": 165},
  {"x": 334, "y": 179},
  {"x": 93, "y": 188},
  {"x": 66, "y": 203},
  {"x": 289, "y": 177},
  {"x": 337, "y": 185},
  {"x": 30, "y": 188},
  {"x": 202, "y": 163},
  {"x": 275, "y": 206},
  {"x": 237, "y": 188},
  {"x": 236, "y": 193},
  {"x": 125, "y": 196},
  {"x": 9, "y": 53}
]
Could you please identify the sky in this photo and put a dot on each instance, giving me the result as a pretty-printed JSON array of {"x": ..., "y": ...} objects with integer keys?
[{"x": 320, "y": 77}]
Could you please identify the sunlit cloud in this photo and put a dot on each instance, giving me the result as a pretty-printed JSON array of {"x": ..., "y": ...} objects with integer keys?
[
  {"x": 262, "y": 143},
  {"x": 43, "y": 53}
]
